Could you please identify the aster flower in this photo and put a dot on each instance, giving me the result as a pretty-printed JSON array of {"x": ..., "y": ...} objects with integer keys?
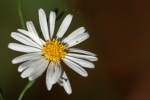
[{"x": 47, "y": 53}]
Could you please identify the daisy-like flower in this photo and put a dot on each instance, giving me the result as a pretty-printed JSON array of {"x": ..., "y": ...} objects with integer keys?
[{"x": 47, "y": 54}]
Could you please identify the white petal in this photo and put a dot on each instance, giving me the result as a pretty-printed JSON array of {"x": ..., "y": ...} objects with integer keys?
[
  {"x": 52, "y": 19},
  {"x": 64, "y": 81},
  {"x": 57, "y": 73},
  {"x": 42, "y": 41},
  {"x": 34, "y": 68},
  {"x": 49, "y": 86},
  {"x": 25, "y": 65},
  {"x": 81, "y": 62},
  {"x": 78, "y": 69},
  {"x": 80, "y": 38},
  {"x": 43, "y": 24},
  {"x": 75, "y": 33},
  {"x": 86, "y": 57},
  {"x": 22, "y": 48},
  {"x": 76, "y": 50},
  {"x": 23, "y": 39},
  {"x": 39, "y": 71},
  {"x": 32, "y": 29},
  {"x": 28, "y": 68},
  {"x": 53, "y": 73},
  {"x": 30, "y": 35},
  {"x": 64, "y": 26},
  {"x": 27, "y": 33},
  {"x": 26, "y": 57}
]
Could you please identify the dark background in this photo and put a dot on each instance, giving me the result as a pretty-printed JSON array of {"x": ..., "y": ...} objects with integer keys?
[{"x": 120, "y": 36}]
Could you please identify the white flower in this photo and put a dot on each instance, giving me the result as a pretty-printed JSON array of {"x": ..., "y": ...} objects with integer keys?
[{"x": 47, "y": 54}]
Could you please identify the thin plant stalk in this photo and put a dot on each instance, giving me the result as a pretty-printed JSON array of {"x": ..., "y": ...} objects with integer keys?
[
  {"x": 28, "y": 86},
  {"x": 20, "y": 13}
]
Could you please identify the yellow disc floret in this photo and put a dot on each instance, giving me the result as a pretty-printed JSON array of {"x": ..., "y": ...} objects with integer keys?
[{"x": 53, "y": 50}]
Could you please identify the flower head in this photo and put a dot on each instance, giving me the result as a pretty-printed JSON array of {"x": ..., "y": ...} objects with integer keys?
[
  {"x": 53, "y": 50},
  {"x": 47, "y": 54}
]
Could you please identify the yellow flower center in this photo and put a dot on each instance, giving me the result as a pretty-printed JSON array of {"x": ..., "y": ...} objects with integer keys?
[{"x": 53, "y": 50}]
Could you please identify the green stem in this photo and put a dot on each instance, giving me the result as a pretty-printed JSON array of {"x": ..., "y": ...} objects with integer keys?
[
  {"x": 20, "y": 13},
  {"x": 29, "y": 85}
]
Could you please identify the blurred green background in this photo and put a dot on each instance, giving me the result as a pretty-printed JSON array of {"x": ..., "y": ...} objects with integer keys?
[{"x": 120, "y": 36}]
